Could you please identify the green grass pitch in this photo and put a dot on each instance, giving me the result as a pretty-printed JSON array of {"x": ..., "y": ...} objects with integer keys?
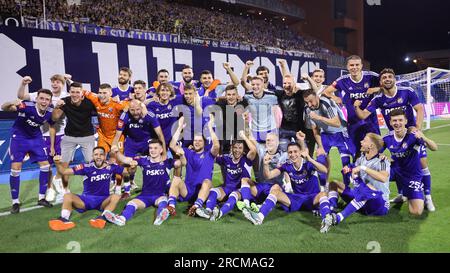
[{"x": 281, "y": 232}]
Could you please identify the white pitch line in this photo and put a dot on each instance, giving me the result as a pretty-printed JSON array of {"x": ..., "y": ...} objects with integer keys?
[
  {"x": 443, "y": 144},
  {"x": 437, "y": 127},
  {"x": 21, "y": 210}
]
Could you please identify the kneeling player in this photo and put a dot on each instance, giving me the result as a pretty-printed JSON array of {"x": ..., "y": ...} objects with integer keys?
[
  {"x": 236, "y": 166},
  {"x": 306, "y": 192},
  {"x": 370, "y": 194},
  {"x": 406, "y": 167},
  {"x": 155, "y": 172},
  {"x": 97, "y": 176}
]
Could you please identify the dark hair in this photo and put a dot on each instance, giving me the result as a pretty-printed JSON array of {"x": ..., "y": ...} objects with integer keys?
[
  {"x": 308, "y": 92},
  {"x": 141, "y": 82},
  {"x": 186, "y": 67},
  {"x": 162, "y": 71},
  {"x": 230, "y": 87},
  {"x": 155, "y": 141},
  {"x": 45, "y": 91},
  {"x": 205, "y": 72},
  {"x": 99, "y": 148},
  {"x": 397, "y": 112},
  {"x": 237, "y": 141},
  {"x": 294, "y": 144},
  {"x": 353, "y": 57},
  {"x": 126, "y": 69},
  {"x": 262, "y": 68},
  {"x": 76, "y": 84},
  {"x": 387, "y": 71},
  {"x": 105, "y": 86}
]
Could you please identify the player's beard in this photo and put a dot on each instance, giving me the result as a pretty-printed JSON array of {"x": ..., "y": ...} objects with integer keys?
[
  {"x": 187, "y": 79},
  {"x": 123, "y": 81},
  {"x": 97, "y": 165}
]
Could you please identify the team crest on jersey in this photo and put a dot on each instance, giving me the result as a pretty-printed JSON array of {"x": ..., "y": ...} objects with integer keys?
[
  {"x": 169, "y": 107},
  {"x": 161, "y": 163},
  {"x": 157, "y": 109},
  {"x": 366, "y": 85},
  {"x": 110, "y": 109},
  {"x": 94, "y": 172},
  {"x": 391, "y": 147},
  {"x": 140, "y": 121},
  {"x": 202, "y": 156},
  {"x": 405, "y": 145},
  {"x": 350, "y": 88},
  {"x": 400, "y": 100}
]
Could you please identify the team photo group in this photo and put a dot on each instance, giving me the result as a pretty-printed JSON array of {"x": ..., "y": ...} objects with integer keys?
[{"x": 270, "y": 145}]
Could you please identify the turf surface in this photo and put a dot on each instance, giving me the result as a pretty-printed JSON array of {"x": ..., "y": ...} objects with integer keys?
[{"x": 296, "y": 232}]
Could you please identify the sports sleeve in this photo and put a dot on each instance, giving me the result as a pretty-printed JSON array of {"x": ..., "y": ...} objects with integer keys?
[
  {"x": 413, "y": 98},
  {"x": 122, "y": 122},
  {"x": 170, "y": 163},
  {"x": 310, "y": 167},
  {"x": 151, "y": 117},
  {"x": 79, "y": 169},
  {"x": 338, "y": 84},
  {"x": 207, "y": 101},
  {"x": 140, "y": 160},
  {"x": 220, "y": 160},
  {"x": 187, "y": 153},
  {"x": 373, "y": 105},
  {"x": 117, "y": 169},
  {"x": 281, "y": 168}
]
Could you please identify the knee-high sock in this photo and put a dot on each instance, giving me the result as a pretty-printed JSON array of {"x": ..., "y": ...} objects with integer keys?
[
  {"x": 426, "y": 180},
  {"x": 198, "y": 203},
  {"x": 162, "y": 204},
  {"x": 212, "y": 199},
  {"x": 246, "y": 193},
  {"x": 172, "y": 201},
  {"x": 324, "y": 206},
  {"x": 129, "y": 211},
  {"x": 333, "y": 198},
  {"x": 14, "y": 183},
  {"x": 350, "y": 209},
  {"x": 322, "y": 176},
  {"x": 268, "y": 204},
  {"x": 43, "y": 180},
  {"x": 229, "y": 205}
]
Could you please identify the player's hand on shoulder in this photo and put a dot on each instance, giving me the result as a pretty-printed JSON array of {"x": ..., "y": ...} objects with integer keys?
[
  {"x": 357, "y": 103},
  {"x": 26, "y": 80},
  {"x": 374, "y": 90}
]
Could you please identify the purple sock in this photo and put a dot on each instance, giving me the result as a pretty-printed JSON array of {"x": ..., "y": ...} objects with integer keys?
[
  {"x": 351, "y": 208},
  {"x": 399, "y": 186},
  {"x": 426, "y": 180},
  {"x": 43, "y": 180},
  {"x": 324, "y": 206},
  {"x": 172, "y": 201},
  {"x": 198, "y": 203},
  {"x": 212, "y": 200},
  {"x": 129, "y": 211},
  {"x": 268, "y": 204},
  {"x": 14, "y": 183},
  {"x": 246, "y": 193},
  {"x": 333, "y": 199},
  {"x": 229, "y": 205},
  {"x": 161, "y": 206}
]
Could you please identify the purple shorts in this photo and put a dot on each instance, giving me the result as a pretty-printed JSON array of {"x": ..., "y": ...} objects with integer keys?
[
  {"x": 133, "y": 148},
  {"x": 91, "y": 202},
  {"x": 263, "y": 190},
  {"x": 338, "y": 140},
  {"x": 192, "y": 193},
  {"x": 149, "y": 200},
  {"x": 230, "y": 188},
  {"x": 300, "y": 201},
  {"x": 18, "y": 148},
  {"x": 57, "y": 146},
  {"x": 411, "y": 187},
  {"x": 376, "y": 206}
]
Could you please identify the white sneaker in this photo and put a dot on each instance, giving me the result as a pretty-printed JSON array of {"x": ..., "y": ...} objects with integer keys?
[
  {"x": 399, "y": 199},
  {"x": 51, "y": 194},
  {"x": 429, "y": 203},
  {"x": 134, "y": 186},
  {"x": 162, "y": 216},
  {"x": 113, "y": 218},
  {"x": 203, "y": 213},
  {"x": 216, "y": 214},
  {"x": 326, "y": 224}
]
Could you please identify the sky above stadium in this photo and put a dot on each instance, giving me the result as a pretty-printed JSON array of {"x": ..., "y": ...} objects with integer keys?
[{"x": 397, "y": 27}]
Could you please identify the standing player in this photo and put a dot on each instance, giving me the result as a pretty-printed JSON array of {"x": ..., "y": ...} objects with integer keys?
[
  {"x": 26, "y": 138},
  {"x": 57, "y": 85},
  {"x": 188, "y": 78},
  {"x": 262, "y": 72},
  {"x": 139, "y": 126},
  {"x": 329, "y": 127},
  {"x": 155, "y": 172},
  {"x": 399, "y": 97},
  {"x": 370, "y": 194},
  {"x": 161, "y": 77},
  {"x": 306, "y": 193},
  {"x": 124, "y": 90},
  {"x": 97, "y": 176},
  {"x": 108, "y": 112},
  {"x": 199, "y": 164},
  {"x": 140, "y": 91},
  {"x": 236, "y": 166},
  {"x": 358, "y": 85},
  {"x": 406, "y": 168}
]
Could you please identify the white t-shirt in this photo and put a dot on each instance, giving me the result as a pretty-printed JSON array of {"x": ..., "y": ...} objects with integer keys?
[{"x": 60, "y": 124}]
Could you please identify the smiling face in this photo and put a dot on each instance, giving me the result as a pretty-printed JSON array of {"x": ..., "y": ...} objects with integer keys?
[
  {"x": 231, "y": 96},
  {"x": 264, "y": 74},
  {"x": 57, "y": 86},
  {"x": 43, "y": 100},
  {"x": 257, "y": 86},
  {"x": 198, "y": 143},
  {"x": 163, "y": 77},
  {"x": 272, "y": 142},
  {"x": 354, "y": 67},
  {"x": 318, "y": 77},
  {"x": 189, "y": 95},
  {"x": 206, "y": 80},
  {"x": 99, "y": 157},
  {"x": 104, "y": 94},
  {"x": 237, "y": 150},
  {"x": 124, "y": 77},
  {"x": 164, "y": 93},
  {"x": 294, "y": 153},
  {"x": 398, "y": 122},
  {"x": 135, "y": 109},
  {"x": 155, "y": 150},
  {"x": 76, "y": 94},
  {"x": 187, "y": 74},
  {"x": 139, "y": 92},
  {"x": 387, "y": 80},
  {"x": 312, "y": 101}
]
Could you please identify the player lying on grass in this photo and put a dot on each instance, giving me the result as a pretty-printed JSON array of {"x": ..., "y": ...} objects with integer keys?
[
  {"x": 236, "y": 166},
  {"x": 199, "y": 164},
  {"x": 302, "y": 171},
  {"x": 370, "y": 179},
  {"x": 156, "y": 179},
  {"x": 97, "y": 177},
  {"x": 406, "y": 168}
]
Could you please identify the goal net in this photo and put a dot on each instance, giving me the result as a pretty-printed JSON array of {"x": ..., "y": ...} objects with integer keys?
[{"x": 432, "y": 86}]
